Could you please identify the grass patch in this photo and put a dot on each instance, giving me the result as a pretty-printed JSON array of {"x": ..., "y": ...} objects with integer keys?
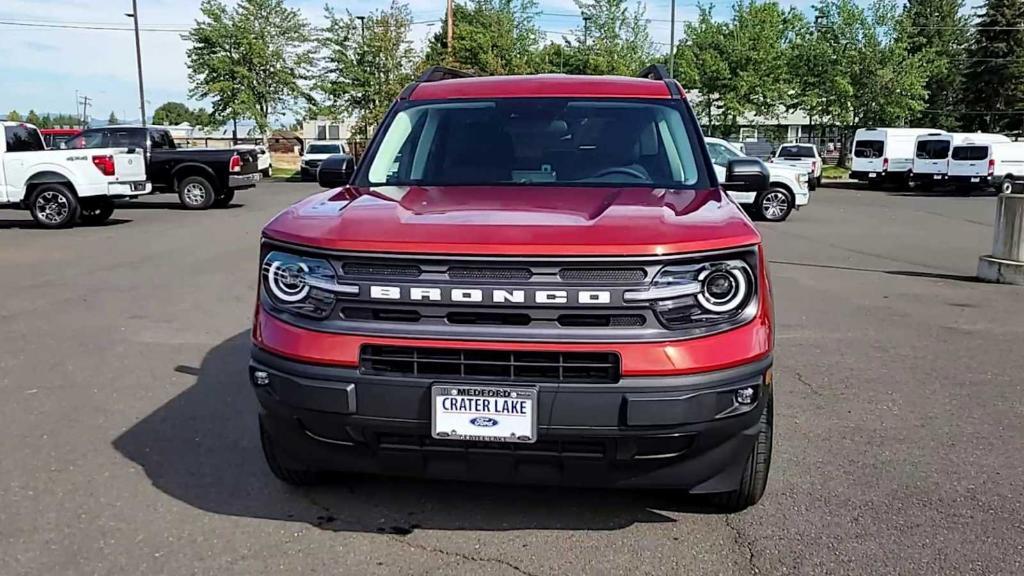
[
  {"x": 282, "y": 174},
  {"x": 834, "y": 173}
]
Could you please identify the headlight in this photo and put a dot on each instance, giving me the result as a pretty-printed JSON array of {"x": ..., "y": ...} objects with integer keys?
[
  {"x": 303, "y": 285},
  {"x": 701, "y": 295}
]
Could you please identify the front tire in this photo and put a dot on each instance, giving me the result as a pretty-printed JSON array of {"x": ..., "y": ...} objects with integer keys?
[
  {"x": 196, "y": 193},
  {"x": 268, "y": 172},
  {"x": 96, "y": 211},
  {"x": 754, "y": 479},
  {"x": 275, "y": 461},
  {"x": 224, "y": 199},
  {"x": 773, "y": 205},
  {"x": 54, "y": 206}
]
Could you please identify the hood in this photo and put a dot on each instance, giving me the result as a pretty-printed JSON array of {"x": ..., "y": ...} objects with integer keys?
[
  {"x": 516, "y": 220},
  {"x": 318, "y": 156}
]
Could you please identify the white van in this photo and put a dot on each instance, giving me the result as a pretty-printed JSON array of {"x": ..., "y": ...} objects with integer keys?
[
  {"x": 985, "y": 164},
  {"x": 885, "y": 153},
  {"x": 932, "y": 152}
]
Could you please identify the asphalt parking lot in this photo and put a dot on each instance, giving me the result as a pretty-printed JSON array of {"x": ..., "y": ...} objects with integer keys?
[{"x": 129, "y": 439}]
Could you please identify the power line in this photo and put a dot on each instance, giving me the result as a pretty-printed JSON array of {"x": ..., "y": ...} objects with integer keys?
[{"x": 117, "y": 28}]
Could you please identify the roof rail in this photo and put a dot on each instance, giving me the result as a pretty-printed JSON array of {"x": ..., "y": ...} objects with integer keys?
[
  {"x": 654, "y": 72},
  {"x": 438, "y": 73}
]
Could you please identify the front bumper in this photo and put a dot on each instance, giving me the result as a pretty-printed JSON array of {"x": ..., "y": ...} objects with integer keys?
[{"x": 683, "y": 432}]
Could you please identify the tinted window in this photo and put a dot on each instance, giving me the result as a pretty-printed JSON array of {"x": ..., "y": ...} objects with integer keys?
[
  {"x": 23, "y": 138},
  {"x": 536, "y": 141},
  {"x": 323, "y": 149},
  {"x": 970, "y": 153},
  {"x": 933, "y": 150},
  {"x": 86, "y": 140},
  {"x": 868, "y": 148},
  {"x": 118, "y": 138},
  {"x": 796, "y": 152}
]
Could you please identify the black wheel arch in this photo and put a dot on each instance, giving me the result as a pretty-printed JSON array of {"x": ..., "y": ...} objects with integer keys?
[{"x": 190, "y": 169}]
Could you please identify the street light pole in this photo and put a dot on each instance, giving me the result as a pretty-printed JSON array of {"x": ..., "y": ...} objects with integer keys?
[
  {"x": 448, "y": 20},
  {"x": 672, "y": 43},
  {"x": 138, "y": 58}
]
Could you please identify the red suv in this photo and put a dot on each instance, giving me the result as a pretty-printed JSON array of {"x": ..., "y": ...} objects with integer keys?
[{"x": 531, "y": 279}]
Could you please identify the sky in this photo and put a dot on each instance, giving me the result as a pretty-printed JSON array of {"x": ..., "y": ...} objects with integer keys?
[{"x": 43, "y": 67}]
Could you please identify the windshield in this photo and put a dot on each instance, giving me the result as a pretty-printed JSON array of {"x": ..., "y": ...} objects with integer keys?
[
  {"x": 970, "y": 153},
  {"x": 796, "y": 152},
  {"x": 868, "y": 148},
  {"x": 535, "y": 141},
  {"x": 324, "y": 149},
  {"x": 932, "y": 149}
]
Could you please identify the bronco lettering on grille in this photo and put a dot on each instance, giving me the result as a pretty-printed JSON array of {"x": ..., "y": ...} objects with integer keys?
[{"x": 489, "y": 296}]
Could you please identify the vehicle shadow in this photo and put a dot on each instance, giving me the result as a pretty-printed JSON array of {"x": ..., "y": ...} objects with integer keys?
[
  {"x": 161, "y": 205},
  {"x": 30, "y": 224},
  {"x": 202, "y": 448},
  {"x": 907, "y": 273}
]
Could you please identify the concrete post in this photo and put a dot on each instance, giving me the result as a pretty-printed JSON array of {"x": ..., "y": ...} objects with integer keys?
[{"x": 1006, "y": 263}]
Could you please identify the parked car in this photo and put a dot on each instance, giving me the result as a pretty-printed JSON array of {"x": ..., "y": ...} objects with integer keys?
[
  {"x": 59, "y": 187},
  {"x": 932, "y": 153},
  {"x": 979, "y": 165},
  {"x": 787, "y": 188},
  {"x": 263, "y": 160},
  {"x": 315, "y": 153},
  {"x": 543, "y": 283},
  {"x": 54, "y": 137},
  {"x": 202, "y": 177},
  {"x": 802, "y": 156},
  {"x": 885, "y": 155}
]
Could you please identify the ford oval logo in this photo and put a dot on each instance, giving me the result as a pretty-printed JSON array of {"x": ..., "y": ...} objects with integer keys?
[{"x": 483, "y": 422}]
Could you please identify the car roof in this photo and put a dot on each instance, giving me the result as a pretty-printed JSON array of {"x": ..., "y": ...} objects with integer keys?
[{"x": 541, "y": 86}]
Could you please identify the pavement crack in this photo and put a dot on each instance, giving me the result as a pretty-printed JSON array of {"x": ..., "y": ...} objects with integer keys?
[
  {"x": 743, "y": 543},
  {"x": 461, "y": 556},
  {"x": 800, "y": 378}
]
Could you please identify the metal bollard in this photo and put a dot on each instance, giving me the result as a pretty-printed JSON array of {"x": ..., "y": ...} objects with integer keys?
[{"x": 1006, "y": 263}]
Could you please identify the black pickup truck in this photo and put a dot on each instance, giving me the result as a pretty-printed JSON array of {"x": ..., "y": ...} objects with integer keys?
[{"x": 201, "y": 177}]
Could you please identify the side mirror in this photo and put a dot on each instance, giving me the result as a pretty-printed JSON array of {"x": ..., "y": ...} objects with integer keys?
[
  {"x": 746, "y": 175},
  {"x": 335, "y": 171}
]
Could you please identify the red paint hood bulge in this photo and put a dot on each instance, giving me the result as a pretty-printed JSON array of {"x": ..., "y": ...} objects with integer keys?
[{"x": 516, "y": 220}]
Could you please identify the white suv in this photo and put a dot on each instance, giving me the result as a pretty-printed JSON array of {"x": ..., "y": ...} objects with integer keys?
[{"x": 787, "y": 188}]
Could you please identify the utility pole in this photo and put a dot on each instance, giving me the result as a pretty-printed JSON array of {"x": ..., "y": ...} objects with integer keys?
[
  {"x": 448, "y": 20},
  {"x": 672, "y": 43},
  {"x": 134, "y": 15},
  {"x": 85, "y": 100},
  {"x": 586, "y": 41}
]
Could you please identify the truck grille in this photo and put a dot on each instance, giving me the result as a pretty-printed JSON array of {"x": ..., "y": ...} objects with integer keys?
[{"x": 493, "y": 365}]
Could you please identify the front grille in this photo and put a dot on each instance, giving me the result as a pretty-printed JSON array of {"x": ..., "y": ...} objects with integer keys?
[
  {"x": 602, "y": 274},
  {"x": 551, "y": 448},
  {"x": 495, "y": 365},
  {"x": 380, "y": 314},
  {"x": 370, "y": 270},
  {"x": 461, "y": 273},
  {"x": 601, "y": 320}
]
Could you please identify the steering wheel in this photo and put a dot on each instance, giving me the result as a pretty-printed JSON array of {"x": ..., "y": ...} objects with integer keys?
[{"x": 620, "y": 170}]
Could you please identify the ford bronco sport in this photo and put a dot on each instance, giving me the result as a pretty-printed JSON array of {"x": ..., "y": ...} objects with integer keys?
[{"x": 532, "y": 279}]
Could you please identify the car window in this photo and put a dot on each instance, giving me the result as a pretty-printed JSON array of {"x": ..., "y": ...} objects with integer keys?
[
  {"x": 533, "y": 141},
  {"x": 969, "y": 153},
  {"x": 158, "y": 139},
  {"x": 23, "y": 138},
  {"x": 933, "y": 149},
  {"x": 117, "y": 138},
  {"x": 323, "y": 149},
  {"x": 720, "y": 155},
  {"x": 92, "y": 139},
  {"x": 796, "y": 152},
  {"x": 868, "y": 148}
]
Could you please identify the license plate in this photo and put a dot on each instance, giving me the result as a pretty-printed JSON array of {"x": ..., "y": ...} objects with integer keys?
[
  {"x": 872, "y": 175},
  {"x": 937, "y": 177},
  {"x": 484, "y": 413},
  {"x": 975, "y": 179}
]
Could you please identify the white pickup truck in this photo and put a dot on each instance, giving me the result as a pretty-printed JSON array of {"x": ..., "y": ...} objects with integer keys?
[
  {"x": 61, "y": 187},
  {"x": 803, "y": 156},
  {"x": 787, "y": 188}
]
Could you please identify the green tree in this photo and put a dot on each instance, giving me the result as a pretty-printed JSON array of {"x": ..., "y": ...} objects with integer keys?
[
  {"x": 614, "y": 39},
  {"x": 201, "y": 117},
  {"x": 32, "y": 118},
  {"x": 45, "y": 122},
  {"x": 939, "y": 32},
  {"x": 365, "y": 64},
  {"x": 172, "y": 114},
  {"x": 112, "y": 119},
  {"x": 252, "y": 61},
  {"x": 994, "y": 74},
  {"x": 13, "y": 116},
  {"x": 492, "y": 37},
  {"x": 703, "y": 64}
]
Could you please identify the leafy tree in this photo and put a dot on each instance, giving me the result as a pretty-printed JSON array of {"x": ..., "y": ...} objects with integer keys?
[
  {"x": 251, "y": 61},
  {"x": 112, "y": 119},
  {"x": 939, "y": 32},
  {"x": 32, "y": 118},
  {"x": 614, "y": 39},
  {"x": 201, "y": 117},
  {"x": 994, "y": 75},
  {"x": 492, "y": 37},
  {"x": 44, "y": 122},
  {"x": 365, "y": 64},
  {"x": 172, "y": 114},
  {"x": 703, "y": 64},
  {"x": 13, "y": 116}
]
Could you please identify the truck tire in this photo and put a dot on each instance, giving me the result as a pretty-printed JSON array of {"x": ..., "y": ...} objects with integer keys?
[
  {"x": 54, "y": 205},
  {"x": 773, "y": 205},
  {"x": 755, "y": 472},
  {"x": 284, "y": 473},
  {"x": 224, "y": 199},
  {"x": 96, "y": 210},
  {"x": 196, "y": 193},
  {"x": 1007, "y": 186}
]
